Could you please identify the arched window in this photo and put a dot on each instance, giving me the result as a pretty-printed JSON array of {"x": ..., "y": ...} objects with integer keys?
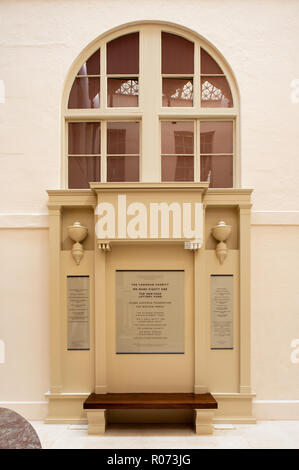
[{"x": 150, "y": 103}]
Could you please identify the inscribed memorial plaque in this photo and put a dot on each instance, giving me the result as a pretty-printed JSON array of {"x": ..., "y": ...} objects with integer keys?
[
  {"x": 78, "y": 312},
  {"x": 149, "y": 312},
  {"x": 222, "y": 312}
]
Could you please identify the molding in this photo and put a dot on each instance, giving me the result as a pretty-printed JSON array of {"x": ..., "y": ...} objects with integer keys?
[
  {"x": 65, "y": 421},
  {"x": 275, "y": 218},
  {"x": 37, "y": 220},
  {"x": 40, "y": 220},
  {"x": 141, "y": 187},
  {"x": 168, "y": 113},
  {"x": 70, "y": 192},
  {"x": 59, "y": 198},
  {"x": 276, "y": 409},
  {"x": 235, "y": 420},
  {"x": 67, "y": 396},
  {"x": 262, "y": 409},
  {"x": 226, "y": 191},
  {"x": 96, "y": 113},
  {"x": 30, "y": 410},
  {"x": 241, "y": 396}
]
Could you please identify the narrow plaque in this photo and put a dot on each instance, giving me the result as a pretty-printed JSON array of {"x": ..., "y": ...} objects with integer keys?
[
  {"x": 149, "y": 312},
  {"x": 222, "y": 311},
  {"x": 78, "y": 312}
]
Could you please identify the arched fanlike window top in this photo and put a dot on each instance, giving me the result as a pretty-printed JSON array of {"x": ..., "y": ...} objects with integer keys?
[{"x": 150, "y": 102}]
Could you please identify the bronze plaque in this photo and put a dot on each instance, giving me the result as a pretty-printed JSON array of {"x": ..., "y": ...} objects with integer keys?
[
  {"x": 222, "y": 312},
  {"x": 78, "y": 312},
  {"x": 149, "y": 312}
]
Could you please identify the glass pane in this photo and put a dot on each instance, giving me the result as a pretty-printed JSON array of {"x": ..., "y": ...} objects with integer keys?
[
  {"x": 215, "y": 93},
  {"x": 85, "y": 93},
  {"x": 123, "y": 168},
  {"x": 83, "y": 170},
  {"x": 177, "y": 137},
  {"x": 92, "y": 65},
  {"x": 177, "y": 54},
  {"x": 122, "y": 138},
  {"x": 177, "y": 168},
  {"x": 177, "y": 92},
  {"x": 122, "y": 92},
  {"x": 84, "y": 138},
  {"x": 218, "y": 170},
  {"x": 216, "y": 137},
  {"x": 123, "y": 54},
  {"x": 207, "y": 64}
]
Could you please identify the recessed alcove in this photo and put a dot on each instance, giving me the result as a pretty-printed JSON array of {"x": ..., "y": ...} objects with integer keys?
[
  {"x": 86, "y": 217},
  {"x": 212, "y": 216}
]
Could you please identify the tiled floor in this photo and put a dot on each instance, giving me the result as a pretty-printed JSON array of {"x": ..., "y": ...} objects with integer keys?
[{"x": 263, "y": 435}]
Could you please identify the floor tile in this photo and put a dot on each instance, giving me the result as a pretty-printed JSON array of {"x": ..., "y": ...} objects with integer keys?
[{"x": 263, "y": 435}]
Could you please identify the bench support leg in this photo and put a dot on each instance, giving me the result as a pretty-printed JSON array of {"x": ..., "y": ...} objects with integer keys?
[
  {"x": 96, "y": 421},
  {"x": 204, "y": 421}
]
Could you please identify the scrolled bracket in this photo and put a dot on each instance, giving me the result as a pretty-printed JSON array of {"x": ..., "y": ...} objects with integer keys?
[
  {"x": 104, "y": 245},
  {"x": 193, "y": 245}
]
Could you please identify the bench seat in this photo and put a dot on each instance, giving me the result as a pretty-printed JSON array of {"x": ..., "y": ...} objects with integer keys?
[{"x": 202, "y": 404}]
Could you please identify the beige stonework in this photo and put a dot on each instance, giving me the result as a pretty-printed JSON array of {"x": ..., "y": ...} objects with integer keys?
[
  {"x": 225, "y": 373},
  {"x": 204, "y": 422},
  {"x": 96, "y": 421}
]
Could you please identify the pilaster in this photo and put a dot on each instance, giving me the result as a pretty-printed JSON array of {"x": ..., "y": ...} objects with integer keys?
[
  {"x": 55, "y": 299},
  {"x": 244, "y": 221}
]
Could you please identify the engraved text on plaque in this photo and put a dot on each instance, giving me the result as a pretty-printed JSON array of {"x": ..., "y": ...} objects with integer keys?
[
  {"x": 78, "y": 312},
  {"x": 222, "y": 312},
  {"x": 149, "y": 312}
]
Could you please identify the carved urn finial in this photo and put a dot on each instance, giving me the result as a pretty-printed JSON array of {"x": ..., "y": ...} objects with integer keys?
[
  {"x": 77, "y": 233},
  {"x": 221, "y": 232}
]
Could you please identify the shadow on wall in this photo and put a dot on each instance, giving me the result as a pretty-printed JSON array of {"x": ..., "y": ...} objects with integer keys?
[{"x": 16, "y": 432}]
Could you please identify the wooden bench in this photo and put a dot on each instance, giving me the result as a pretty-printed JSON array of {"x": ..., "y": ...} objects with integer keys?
[{"x": 202, "y": 404}]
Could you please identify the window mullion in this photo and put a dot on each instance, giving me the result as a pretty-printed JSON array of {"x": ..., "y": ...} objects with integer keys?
[
  {"x": 197, "y": 151},
  {"x": 196, "y": 78},
  {"x": 236, "y": 154},
  {"x": 103, "y": 103},
  {"x": 104, "y": 151},
  {"x": 65, "y": 153},
  {"x": 150, "y": 102}
]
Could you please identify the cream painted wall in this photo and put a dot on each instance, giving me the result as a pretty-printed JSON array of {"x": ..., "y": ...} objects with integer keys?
[
  {"x": 39, "y": 40},
  {"x": 275, "y": 311},
  {"x": 24, "y": 319}
]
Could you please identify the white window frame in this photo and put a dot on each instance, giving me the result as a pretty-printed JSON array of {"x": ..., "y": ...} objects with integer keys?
[{"x": 150, "y": 111}]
